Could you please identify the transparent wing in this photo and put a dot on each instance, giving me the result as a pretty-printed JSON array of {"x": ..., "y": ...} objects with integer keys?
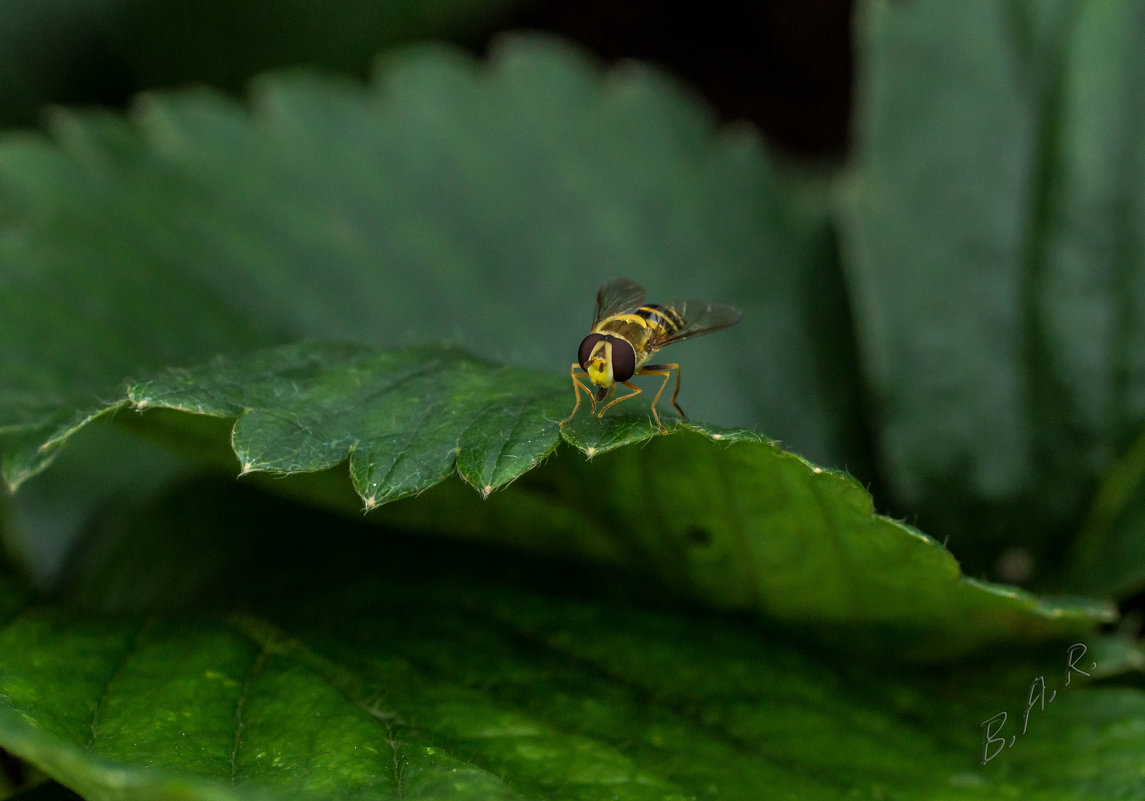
[
  {"x": 618, "y": 295},
  {"x": 702, "y": 317}
]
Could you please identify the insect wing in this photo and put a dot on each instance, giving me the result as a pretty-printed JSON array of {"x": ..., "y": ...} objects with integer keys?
[
  {"x": 702, "y": 317},
  {"x": 618, "y": 295}
]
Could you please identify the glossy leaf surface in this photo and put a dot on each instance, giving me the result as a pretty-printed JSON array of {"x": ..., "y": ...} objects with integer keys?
[{"x": 379, "y": 666}]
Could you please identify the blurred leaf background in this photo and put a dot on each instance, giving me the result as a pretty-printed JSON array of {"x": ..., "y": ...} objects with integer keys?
[
  {"x": 990, "y": 426},
  {"x": 931, "y": 214}
]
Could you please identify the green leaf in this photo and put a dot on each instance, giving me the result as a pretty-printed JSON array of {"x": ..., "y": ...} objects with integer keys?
[
  {"x": 995, "y": 231},
  {"x": 714, "y": 614},
  {"x": 1109, "y": 553},
  {"x": 449, "y": 200},
  {"x": 106, "y": 467},
  {"x": 109, "y": 49},
  {"x": 481, "y": 204},
  {"x": 725, "y": 517},
  {"x": 405, "y": 419},
  {"x": 387, "y": 667}
]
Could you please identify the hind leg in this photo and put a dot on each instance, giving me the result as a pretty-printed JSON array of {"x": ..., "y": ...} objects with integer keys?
[{"x": 664, "y": 370}]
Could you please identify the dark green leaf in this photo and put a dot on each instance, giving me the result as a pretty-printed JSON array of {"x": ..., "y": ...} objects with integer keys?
[
  {"x": 447, "y": 201},
  {"x": 995, "y": 235},
  {"x": 484, "y": 204},
  {"x": 1109, "y": 554},
  {"x": 106, "y": 50},
  {"x": 405, "y": 419},
  {"x": 725, "y": 517},
  {"x": 44, "y": 791}
]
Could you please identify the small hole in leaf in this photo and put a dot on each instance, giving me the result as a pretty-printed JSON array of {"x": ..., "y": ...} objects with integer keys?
[{"x": 698, "y": 536}]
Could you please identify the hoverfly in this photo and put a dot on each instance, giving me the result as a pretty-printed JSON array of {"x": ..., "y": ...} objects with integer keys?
[{"x": 626, "y": 331}]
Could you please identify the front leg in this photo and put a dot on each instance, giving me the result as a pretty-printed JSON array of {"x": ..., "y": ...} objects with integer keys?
[
  {"x": 578, "y": 385},
  {"x": 635, "y": 391}
]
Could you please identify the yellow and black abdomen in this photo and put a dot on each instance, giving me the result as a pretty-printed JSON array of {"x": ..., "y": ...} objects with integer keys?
[{"x": 664, "y": 322}]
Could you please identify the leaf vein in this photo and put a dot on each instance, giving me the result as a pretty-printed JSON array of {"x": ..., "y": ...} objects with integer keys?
[
  {"x": 113, "y": 674},
  {"x": 240, "y": 704}
]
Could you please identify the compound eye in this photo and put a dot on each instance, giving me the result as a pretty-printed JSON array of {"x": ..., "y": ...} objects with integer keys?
[
  {"x": 623, "y": 360},
  {"x": 586, "y": 346}
]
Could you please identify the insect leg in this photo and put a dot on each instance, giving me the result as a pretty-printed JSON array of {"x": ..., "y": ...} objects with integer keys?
[
  {"x": 666, "y": 371},
  {"x": 676, "y": 392},
  {"x": 635, "y": 391},
  {"x": 578, "y": 385}
]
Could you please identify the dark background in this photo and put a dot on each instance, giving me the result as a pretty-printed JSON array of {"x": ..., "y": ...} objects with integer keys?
[{"x": 784, "y": 66}]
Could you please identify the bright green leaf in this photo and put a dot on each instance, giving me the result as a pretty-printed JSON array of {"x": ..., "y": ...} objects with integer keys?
[{"x": 359, "y": 665}]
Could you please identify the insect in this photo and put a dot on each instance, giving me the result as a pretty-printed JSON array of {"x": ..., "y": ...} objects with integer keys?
[{"x": 626, "y": 331}]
